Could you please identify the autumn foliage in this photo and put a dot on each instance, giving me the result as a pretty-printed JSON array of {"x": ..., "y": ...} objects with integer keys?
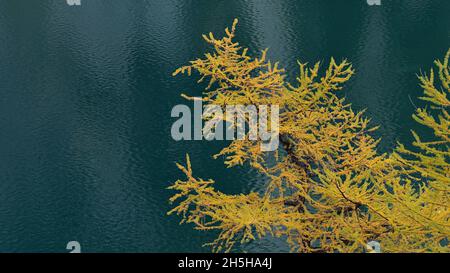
[{"x": 328, "y": 189}]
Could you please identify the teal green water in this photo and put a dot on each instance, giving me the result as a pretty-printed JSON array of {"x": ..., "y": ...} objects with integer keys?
[{"x": 86, "y": 94}]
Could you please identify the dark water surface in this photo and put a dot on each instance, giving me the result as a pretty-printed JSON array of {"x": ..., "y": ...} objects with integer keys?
[{"x": 86, "y": 94}]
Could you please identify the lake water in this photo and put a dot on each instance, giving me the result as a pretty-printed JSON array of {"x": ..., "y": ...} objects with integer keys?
[{"x": 86, "y": 93}]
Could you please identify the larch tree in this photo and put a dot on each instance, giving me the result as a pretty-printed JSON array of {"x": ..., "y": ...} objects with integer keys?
[{"x": 328, "y": 189}]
